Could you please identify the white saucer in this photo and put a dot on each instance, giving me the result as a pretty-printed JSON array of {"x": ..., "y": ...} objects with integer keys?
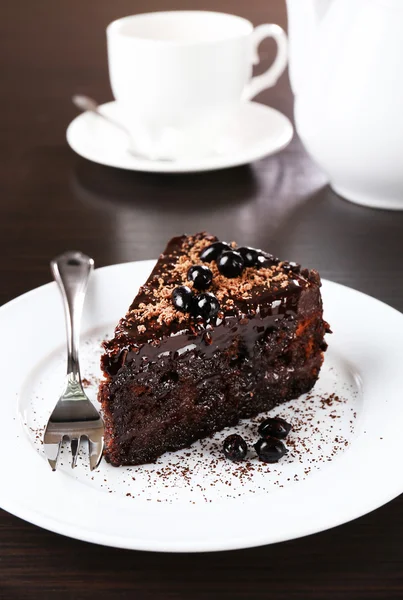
[{"x": 259, "y": 131}]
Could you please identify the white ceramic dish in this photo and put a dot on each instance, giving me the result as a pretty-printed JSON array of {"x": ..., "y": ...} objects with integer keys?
[
  {"x": 258, "y": 132},
  {"x": 345, "y": 457},
  {"x": 352, "y": 128}
]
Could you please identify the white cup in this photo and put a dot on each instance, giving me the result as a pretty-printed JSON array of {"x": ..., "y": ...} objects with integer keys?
[{"x": 179, "y": 77}]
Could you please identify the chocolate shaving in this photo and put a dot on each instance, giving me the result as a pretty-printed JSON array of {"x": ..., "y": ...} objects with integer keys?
[{"x": 160, "y": 307}]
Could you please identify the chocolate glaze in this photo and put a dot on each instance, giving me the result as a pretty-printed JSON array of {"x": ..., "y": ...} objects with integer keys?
[{"x": 250, "y": 319}]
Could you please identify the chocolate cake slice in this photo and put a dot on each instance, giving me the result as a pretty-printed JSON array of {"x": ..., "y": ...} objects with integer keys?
[{"x": 201, "y": 348}]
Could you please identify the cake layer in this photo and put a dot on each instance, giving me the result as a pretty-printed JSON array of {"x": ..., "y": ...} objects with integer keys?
[
  {"x": 181, "y": 400},
  {"x": 171, "y": 379}
]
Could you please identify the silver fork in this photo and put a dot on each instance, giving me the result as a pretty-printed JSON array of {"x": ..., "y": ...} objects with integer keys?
[{"x": 74, "y": 417}]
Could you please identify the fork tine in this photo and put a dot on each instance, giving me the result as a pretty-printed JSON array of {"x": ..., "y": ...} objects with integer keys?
[
  {"x": 52, "y": 453},
  {"x": 74, "y": 444},
  {"x": 95, "y": 449}
]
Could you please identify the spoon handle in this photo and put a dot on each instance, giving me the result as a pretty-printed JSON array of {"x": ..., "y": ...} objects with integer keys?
[{"x": 85, "y": 103}]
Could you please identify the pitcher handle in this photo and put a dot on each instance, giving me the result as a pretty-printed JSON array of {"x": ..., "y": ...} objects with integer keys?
[{"x": 269, "y": 78}]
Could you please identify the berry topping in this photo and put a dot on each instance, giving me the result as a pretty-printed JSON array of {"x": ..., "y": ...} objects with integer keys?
[
  {"x": 201, "y": 276},
  {"x": 265, "y": 260},
  {"x": 292, "y": 267},
  {"x": 235, "y": 447},
  {"x": 275, "y": 427},
  {"x": 182, "y": 298},
  {"x": 213, "y": 251},
  {"x": 270, "y": 450},
  {"x": 205, "y": 305},
  {"x": 249, "y": 255},
  {"x": 230, "y": 264}
]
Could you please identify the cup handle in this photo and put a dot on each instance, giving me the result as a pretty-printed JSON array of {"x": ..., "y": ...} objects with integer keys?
[{"x": 269, "y": 78}]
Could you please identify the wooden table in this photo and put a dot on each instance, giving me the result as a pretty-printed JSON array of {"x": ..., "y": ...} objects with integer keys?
[{"x": 51, "y": 200}]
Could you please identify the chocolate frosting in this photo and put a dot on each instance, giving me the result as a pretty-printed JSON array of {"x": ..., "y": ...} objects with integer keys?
[{"x": 251, "y": 307}]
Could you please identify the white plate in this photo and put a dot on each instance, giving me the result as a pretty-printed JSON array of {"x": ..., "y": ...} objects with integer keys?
[
  {"x": 345, "y": 457},
  {"x": 259, "y": 131}
]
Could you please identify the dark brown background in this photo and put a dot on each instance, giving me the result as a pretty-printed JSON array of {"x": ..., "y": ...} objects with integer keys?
[{"x": 51, "y": 200}]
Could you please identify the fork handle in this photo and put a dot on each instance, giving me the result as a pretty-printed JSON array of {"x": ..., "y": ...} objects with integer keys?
[{"x": 71, "y": 272}]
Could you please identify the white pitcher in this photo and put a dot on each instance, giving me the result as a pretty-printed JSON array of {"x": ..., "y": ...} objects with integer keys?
[{"x": 346, "y": 69}]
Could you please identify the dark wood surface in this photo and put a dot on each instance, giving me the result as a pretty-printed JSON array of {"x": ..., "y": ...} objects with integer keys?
[{"x": 51, "y": 200}]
